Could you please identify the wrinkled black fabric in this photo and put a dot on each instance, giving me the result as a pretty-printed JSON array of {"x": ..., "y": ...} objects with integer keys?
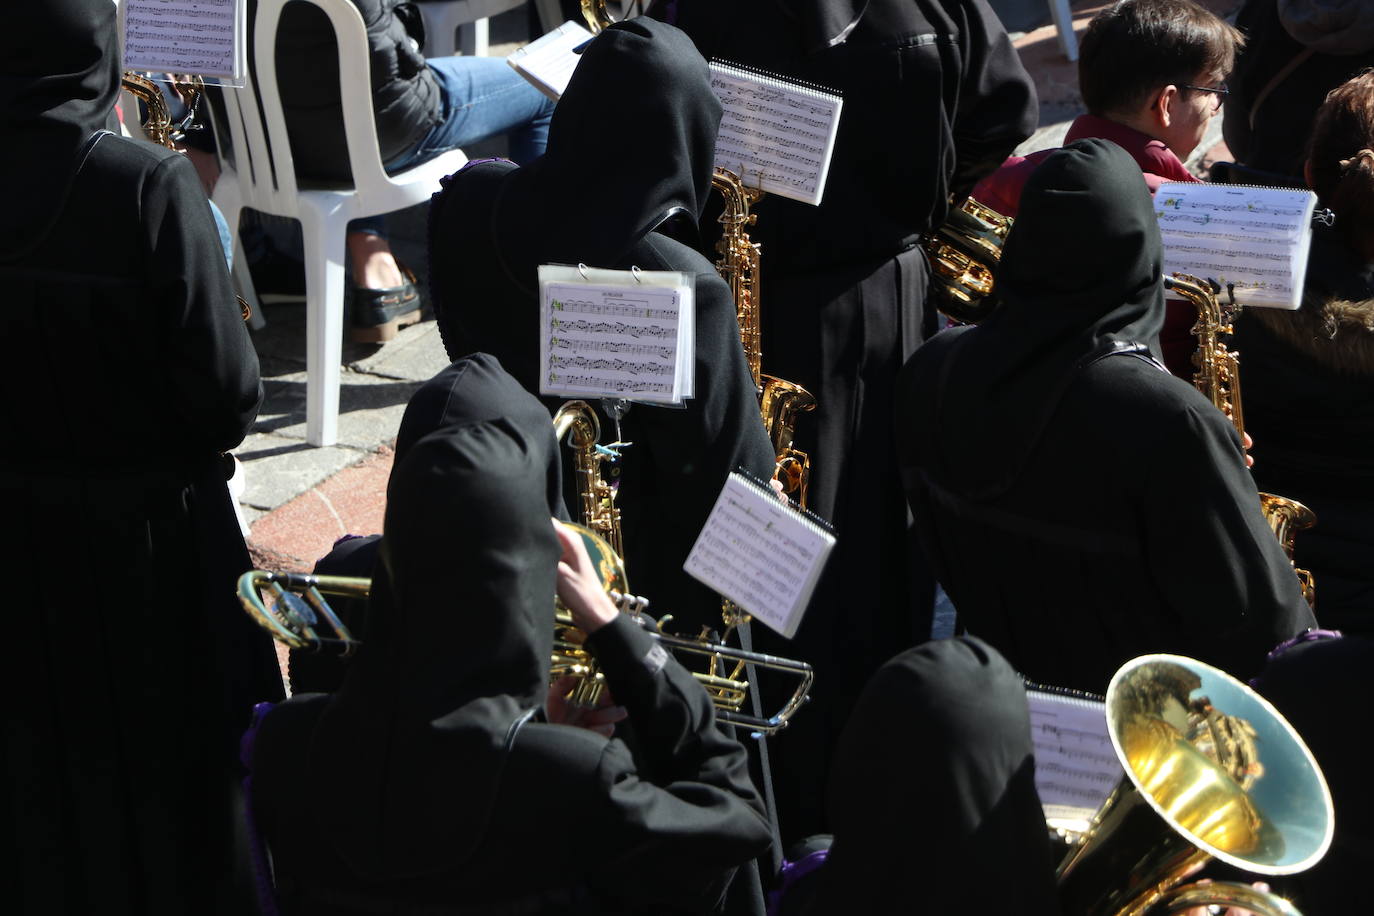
[
  {"x": 1112, "y": 514},
  {"x": 1325, "y": 689},
  {"x": 1274, "y": 136},
  {"x": 932, "y": 795},
  {"x": 935, "y": 97},
  {"x": 1309, "y": 405},
  {"x": 58, "y": 81},
  {"x": 494, "y": 224},
  {"x": 139, "y": 668},
  {"x": 1063, "y": 307},
  {"x": 435, "y": 776}
]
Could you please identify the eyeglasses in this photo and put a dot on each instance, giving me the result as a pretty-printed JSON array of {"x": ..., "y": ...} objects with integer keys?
[{"x": 1221, "y": 92}]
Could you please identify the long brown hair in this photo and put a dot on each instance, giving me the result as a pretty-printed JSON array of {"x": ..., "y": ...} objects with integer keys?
[{"x": 1340, "y": 159}]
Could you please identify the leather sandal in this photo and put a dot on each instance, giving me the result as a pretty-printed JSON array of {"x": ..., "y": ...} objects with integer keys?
[{"x": 379, "y": 314}]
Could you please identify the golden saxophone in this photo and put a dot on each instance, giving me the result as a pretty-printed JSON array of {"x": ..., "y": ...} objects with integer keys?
[
  {"x": 779, "y": 401},
  {"x": 963, "y": 254},
  {"x": 1217, "y": 376},
  {"x": 724, "y": 678}
]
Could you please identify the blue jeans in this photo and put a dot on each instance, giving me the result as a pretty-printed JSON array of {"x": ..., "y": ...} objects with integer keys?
[{"x": 480, "y": 97}]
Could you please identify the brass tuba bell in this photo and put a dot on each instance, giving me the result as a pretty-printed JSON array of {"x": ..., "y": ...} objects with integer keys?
[{"x": 1212, "y": 771}]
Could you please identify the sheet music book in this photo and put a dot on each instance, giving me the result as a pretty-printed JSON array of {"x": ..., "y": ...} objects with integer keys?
[
  {"x": 205, "y": 37},
  {"x": 1253, "y": 237},
  {"x": 548, "y": 62},
  {"x": 776, "y": 133},
  {"x": 617, "y": 333},
  {"x": 761, "y": 554},
  {"x": 1075, "y": 764}
]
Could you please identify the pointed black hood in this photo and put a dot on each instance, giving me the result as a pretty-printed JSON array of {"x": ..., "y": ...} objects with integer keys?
[
  {"x": 59, "y": 77},
  {"x": 461, "y": 628},
  {"x": 1079, "y": 279}
]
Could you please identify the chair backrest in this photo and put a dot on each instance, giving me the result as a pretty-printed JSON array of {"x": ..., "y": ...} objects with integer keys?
[{"x": 257, "y": 124}]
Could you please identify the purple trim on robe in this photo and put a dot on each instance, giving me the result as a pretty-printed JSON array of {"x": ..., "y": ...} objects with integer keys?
[
  {"x": 791, "y": 873},
  {"x": 1309, "y": 635},
  {"x": 262, "y": 875}
]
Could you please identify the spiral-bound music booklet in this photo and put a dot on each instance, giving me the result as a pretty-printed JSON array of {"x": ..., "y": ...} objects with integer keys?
[
  {"x": 761, "y": 554},
  {"x": 1075, "y": 764},
  {"x": 617, "y": 333},
  {"x": 776, "y": 133},
  {"x": 548, "y": 62},
  {"x": 1251, "y": 238},
  {"x": 204, "y": 37}
]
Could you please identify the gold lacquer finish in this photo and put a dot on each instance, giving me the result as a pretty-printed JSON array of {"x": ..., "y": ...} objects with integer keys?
[
  {"x": 724, "y": 679},
  {"x": 1212, "y": 770},
  {"x": 964, "y": 253},
  {"x": 1217, "y": 376},
  {"x": 294, "y": 611},
  {"x": 779, "y": 401},
  {"x": 595, "y": 15}
]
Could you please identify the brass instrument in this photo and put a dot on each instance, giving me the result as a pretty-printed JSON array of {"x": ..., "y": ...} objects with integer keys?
[
  {"x": 1217, "y": 376},
  {"x": 779, "y": 401},
  {"x": 963, "y": 254},
  {"x": 295, "y": 612},
  {"x": 1211, "y": 771},
  {"x": 724, "y": 677},
  {"x": 159, "y": 127}
]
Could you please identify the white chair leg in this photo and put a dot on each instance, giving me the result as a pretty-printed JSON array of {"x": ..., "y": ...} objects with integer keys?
[
  {"x": 324, "y": 297},
  {"x": 475, "y": 38},
  {"x": 1063, "y": 24}
]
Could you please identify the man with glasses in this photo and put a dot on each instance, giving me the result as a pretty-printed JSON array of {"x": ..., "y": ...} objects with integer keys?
[{"x": 1152, "y": 74}]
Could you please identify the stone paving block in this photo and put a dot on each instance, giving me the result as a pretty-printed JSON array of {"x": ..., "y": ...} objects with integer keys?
[
  {"x": 370, "y": 408},
  {"x": 279, "y": 468},
  {"x": 416, "y": 354}
]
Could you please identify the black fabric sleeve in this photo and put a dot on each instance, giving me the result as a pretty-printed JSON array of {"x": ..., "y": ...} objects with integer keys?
[
  {"x": 997, "y": 108},
  {"x": 688, "y": 815},
  {"x": 211, "y": 368},
  {"x": 1211, "y": 552}
]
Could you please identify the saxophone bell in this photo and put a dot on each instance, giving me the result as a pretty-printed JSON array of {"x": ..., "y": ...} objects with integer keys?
[{"x": 964, "y": 252}]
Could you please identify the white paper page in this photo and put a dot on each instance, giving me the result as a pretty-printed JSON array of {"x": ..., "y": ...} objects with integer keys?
[
  {"x": 1075, "y": 764},
  {"x": 204, "y": 37},
  {"x": 1255, "y": 238},
  {"x": 615, "y": 333},
  {"x": 760, "y": 554},
  {"x": 548, "y": 62},
  {"x": 775, "y": 135}
]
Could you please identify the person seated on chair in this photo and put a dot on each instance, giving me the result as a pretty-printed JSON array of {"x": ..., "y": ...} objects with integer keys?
[
  {"x": 442, "y": 776},
  {"x": 422, "y": 108},
  {"x": 1309, "y": 373},
  {"x": 1152, "y": 74},
  {"x": 1080, "y": 505}
]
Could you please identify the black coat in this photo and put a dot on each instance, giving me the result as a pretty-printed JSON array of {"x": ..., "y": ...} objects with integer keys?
[
  {"x": 1309, "y": 404},
  {"x": 459, "y": 798},
  {"x": 138, "y": 668},
  {"x": 935, "y": 97},
  {"x": 494, "y": 224},
  {"x": 406, "y": 101},
  {"x": 1271, "y": 131},
  {"x": 1080, "y": 505}
]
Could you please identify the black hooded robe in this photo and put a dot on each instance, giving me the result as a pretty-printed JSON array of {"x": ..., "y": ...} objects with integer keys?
[
  {"x": 601, "y": 195},
  {"x": 935, "y": 97},
  {"x": 134, "y": 669},
  {"x": 436, "y": 787},
  {"x": 1080, "y": 505}
]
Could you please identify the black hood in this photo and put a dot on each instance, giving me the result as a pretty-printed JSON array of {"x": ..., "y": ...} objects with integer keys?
[
  {"x": 631, "y": 145},
  {"x": 59, "y": 77},
  {"x": 1079, "y": 279},
  {"x": 460, "y": 632}
]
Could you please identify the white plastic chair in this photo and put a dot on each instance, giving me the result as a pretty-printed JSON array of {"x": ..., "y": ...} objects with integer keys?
[
  {"x": 263, "y": 177},
  {"x": 443, "y": 19}
]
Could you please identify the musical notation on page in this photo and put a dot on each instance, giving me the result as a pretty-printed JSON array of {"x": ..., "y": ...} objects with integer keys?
[
  {"x": 1252, "y": 240},
  {"x": 775, "y": 134},
  {"x": 762, "y": 555},
  {"x": 1076, "y": 766},
  {"x": 204, "y": 37},
  {"x": 616, "y": 334}
]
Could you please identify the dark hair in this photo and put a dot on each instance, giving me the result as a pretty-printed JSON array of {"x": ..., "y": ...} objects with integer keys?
[
  {"x": 1341, "y": 153},
  {"x": 1137, "y": 47}
]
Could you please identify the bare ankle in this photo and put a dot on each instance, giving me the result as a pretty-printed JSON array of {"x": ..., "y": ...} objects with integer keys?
[{"x": 373, "y": 264}]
